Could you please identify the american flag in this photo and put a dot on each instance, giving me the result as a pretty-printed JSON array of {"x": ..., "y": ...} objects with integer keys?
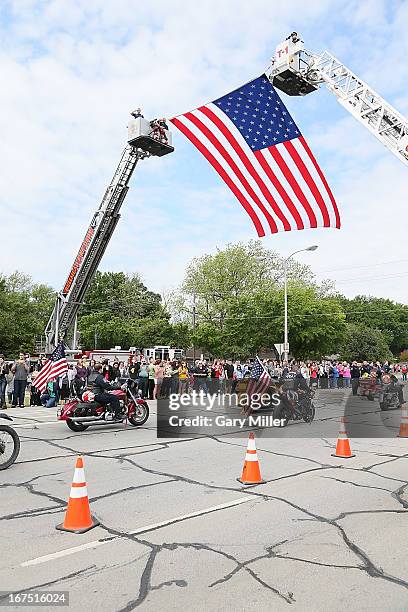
[
  {"x": 54, "y": 366},
  {"x": 260, "y": 379},
  {"x": 250, "y": 139}
]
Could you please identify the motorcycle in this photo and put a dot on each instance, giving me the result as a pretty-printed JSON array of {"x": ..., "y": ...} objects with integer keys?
[
  {"x": 79, "y": 415},
  {"x": 295, "y": 406},
  {"x": 9, "y": 443},
  {"x": 389, "y": 398}
]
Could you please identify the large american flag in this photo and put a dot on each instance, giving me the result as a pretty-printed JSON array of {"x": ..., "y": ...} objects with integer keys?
[
  {"x": 260, "y": 380},
  {"x": 250, "y": 139},
  {"x": 54, "y": 366}
]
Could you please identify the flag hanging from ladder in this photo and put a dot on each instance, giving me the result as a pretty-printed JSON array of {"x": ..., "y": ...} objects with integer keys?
[{"x": 251, "y": 140}]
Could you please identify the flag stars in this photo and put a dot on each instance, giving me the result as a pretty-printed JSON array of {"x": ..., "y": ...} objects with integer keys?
[{"x": 258, "y": 114}]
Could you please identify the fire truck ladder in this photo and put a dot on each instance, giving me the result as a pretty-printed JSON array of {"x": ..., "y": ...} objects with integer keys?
[
  {"x": 298, "y": 72},
  {"x": 141, "y": 145}
]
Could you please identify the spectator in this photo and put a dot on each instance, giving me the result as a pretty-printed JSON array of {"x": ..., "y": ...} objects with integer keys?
[
  {"x": 81, "y": 374},
  {"x": 404, "y": 370},
  {"x": 134, "y": 369},
  {"x": 115, "y": 371},
  {"x": 183, "y": 377},
  {"x": 174, "y": 382},
  {"x": 162, "y": 379},
  {"x": 35, "y": 399},
  {"x": 313, "y": 375},
  {"x": 10, "y": 386},
  {"x": 166, "y": 387},
  {"x": 71, "y": 377},
  {"x": 229, "y": 374},
  {"x": 49, "y": 397},
  {"x": 143, "y": 378},
  {"x": 237, "y": 375},
  {"x": 346, "y": 375},
  {"x": 200, "y": 376},
  {"x": 365, "y": 368},
  {"x": 355, "y": 373},
  {"x": 4, "y": 369},
  {"x": 20, "y": 369},
  {"x": 151, "y": 370},
  {"x": 106, "y": 370}
]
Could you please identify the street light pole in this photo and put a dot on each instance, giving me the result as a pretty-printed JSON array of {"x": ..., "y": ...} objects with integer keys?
[
  {"x": 285, "y": 334},
  {"x": 285, "y": 281}
]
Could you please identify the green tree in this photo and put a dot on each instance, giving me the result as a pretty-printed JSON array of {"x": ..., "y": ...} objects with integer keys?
[
  {"x": 119, "y": 310},
  {"x": 212, "y": 281},
  {"x": 316, "y": 324},
  {"x": 364, "y": 343},
  {"x": 382, "y": 314},
  {"x": 237, "y": 294},
  {"x": 24, "y": 310},
  {"x": 122, "y": 294}
]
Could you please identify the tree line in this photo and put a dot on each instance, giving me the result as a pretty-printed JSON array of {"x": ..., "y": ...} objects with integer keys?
[{"x": 229, "y": 304}]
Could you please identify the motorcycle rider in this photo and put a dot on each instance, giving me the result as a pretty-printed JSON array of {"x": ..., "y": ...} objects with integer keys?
[
  {"x": 390, "y": 385},
  {"x": 100, "y": 386},
  {"x": 300, "y": 382}
]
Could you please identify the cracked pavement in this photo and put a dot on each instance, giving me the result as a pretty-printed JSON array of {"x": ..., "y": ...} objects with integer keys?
[{"x": 177, "y": 529}]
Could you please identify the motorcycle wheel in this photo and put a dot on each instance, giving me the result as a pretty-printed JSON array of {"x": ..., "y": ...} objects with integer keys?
[
  {"x": 309, "y": 414},
  {"x": 140, "y": 416},
  {"x": 285, "y": 416},
  {"x": 75, "y": 426},
  {"x": 7, "y": 435}
]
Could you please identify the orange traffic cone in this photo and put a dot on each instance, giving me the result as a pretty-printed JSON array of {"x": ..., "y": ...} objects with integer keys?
[
  {"x": 251, "y": 474},
  {"x": 403, "y": 430},
  {"x": 343, "y": 445},
  {"x": 78, "y": 518}
]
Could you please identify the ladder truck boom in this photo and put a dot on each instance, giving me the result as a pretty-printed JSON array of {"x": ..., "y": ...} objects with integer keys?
[
  {"x": 145, "y": 138},
  {"x": 298, "y": 72}
]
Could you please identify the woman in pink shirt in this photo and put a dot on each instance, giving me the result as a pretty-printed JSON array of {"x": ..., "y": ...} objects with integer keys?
[{"x": 346, "y": 375}]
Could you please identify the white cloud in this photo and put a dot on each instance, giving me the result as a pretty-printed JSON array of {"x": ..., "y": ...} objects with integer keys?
[{"x": 72, "y": 70}]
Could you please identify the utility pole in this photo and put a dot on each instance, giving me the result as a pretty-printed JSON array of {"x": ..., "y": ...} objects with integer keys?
[{"x": 285, "y": 281}]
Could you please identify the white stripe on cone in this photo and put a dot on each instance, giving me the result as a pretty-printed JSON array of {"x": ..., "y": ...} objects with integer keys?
[
  {"x": 250, "y": 457},
  {"x": 79, "y": 475},
  {"x": 77, "y": 492},
  {"x": 251, "y": 444}
]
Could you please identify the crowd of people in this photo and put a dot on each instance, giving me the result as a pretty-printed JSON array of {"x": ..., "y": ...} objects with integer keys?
[{"x": 159, "y": 378}]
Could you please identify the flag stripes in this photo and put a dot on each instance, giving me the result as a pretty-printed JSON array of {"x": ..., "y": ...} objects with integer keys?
[{"x": 281, "y": 186}]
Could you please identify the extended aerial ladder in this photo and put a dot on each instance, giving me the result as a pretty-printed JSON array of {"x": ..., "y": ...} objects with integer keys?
[
  {"x": 145, "y": 138},
  {"x": 298, "y": 72}
]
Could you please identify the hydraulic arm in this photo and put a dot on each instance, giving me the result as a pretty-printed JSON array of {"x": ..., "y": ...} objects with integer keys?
[
  {"x": 298, "y": 72},
  {"x": 145, "y": 138}
]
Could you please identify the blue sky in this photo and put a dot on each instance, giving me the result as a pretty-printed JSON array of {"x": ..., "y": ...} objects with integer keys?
[{"x": 72, "y": 70}]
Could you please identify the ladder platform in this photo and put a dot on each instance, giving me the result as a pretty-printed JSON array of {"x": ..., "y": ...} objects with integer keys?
[{"x": 151, "y": 145}]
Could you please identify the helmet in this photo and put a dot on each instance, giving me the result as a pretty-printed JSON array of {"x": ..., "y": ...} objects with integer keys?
[{"x": 88, "y": 396}]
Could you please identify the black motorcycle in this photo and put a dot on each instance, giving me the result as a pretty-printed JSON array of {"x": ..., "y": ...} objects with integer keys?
[
  {"x": 9, "y": 443},
  {"x": 390, "y": 397},
  {"x": 295, "y": 406}
]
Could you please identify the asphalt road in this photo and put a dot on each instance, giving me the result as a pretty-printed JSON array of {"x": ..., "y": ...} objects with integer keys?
[{"x": 179, "y": 532}]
